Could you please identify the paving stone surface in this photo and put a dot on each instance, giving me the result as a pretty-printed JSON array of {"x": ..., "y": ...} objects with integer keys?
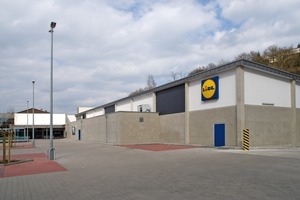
[
  {"x": 28, "y": 164},
  {"x": 101, "y": 171},
  {"x": 158, "y": 147}
]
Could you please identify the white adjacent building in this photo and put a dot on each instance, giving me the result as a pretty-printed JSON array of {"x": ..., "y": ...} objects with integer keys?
[{"x": 23, "y": 121}]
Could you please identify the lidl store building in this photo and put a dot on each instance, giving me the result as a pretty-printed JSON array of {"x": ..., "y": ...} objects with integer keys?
[{"x": 211, "y": 108}]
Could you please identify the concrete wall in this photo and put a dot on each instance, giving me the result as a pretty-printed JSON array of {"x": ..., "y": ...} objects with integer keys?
[
  {"x": 68, "y": 130},
  {"x": 111, "y": 128},
  {"x": 202, "y": 125},
  {"x": 171, "y": 128},
  {"x": 269, "y": 125},
  {"x": 138, "y": 128},
  {"x": 117, "y": 128},
  {"x": 298, "y": 127},
  {"x": 90, "y": 130}
]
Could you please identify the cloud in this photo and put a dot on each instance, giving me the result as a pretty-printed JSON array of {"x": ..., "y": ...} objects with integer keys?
[{"x": 103, "y": 50}]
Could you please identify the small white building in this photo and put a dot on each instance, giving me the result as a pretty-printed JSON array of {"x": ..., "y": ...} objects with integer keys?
[{"x": 23, "y": 121}]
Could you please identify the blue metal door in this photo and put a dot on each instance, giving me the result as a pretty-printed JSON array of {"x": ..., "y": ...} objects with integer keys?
[
  {"x": 79, "y": 134},
  {"x": 219, "y": 135}
]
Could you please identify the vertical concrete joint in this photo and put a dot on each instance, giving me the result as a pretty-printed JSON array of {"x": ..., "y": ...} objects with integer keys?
[
  {"x": 154, "y": 102},
  {"x": 294, "y": 113},
  {"x": 187, "y": 115},
  {"x": 240, "y": 104},
  {"x": 131, "y": 104}
]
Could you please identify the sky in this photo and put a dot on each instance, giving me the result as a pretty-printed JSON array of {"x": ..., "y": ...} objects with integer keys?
[{"x": 104, "y": 49}]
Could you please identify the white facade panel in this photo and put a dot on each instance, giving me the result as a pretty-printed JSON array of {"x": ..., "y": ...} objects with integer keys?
[
  {"x": 123, "y": 106},
  {"x": 261, "y": 89},
  {"x": 142, "y": 100},
  {"x": 82, "y": 109},
  {"x": 39, "y": 119},
  {"x": 227, "y": 93},
  {"x": 71, "y": 118},
  {"x": 298, "y": 95},
  {"x": 94, "y": 113}
]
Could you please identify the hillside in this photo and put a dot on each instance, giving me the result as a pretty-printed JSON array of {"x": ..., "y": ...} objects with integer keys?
[{"x": 284, "y": 58}]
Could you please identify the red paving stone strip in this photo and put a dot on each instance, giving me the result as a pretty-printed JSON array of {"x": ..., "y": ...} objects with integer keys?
[
  {"x": 158, "y": 147},
  {"x": 39, "y": 165}
]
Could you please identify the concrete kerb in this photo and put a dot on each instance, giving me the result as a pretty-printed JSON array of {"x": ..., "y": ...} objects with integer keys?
[{"x": 15, "y": 162}]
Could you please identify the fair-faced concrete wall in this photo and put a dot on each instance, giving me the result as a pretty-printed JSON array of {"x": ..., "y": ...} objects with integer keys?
[
  {"x": 117, "y": 128},
  {"x": 112, "y": 128},
  {"x": 138, "y": 128},
  {"x": 268, "y": 125},
  {"x": 92, "y": 129},
  {"x": 104, "y": 129},
  {"x": 298, "y": 127},
  {"x": 202, "y": 125},
  {"x": 68, "y": 130},
  {"x": 172, "y": 128}
]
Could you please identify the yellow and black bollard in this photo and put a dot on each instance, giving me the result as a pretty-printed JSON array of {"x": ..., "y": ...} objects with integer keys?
[{"x": 246, "y": 139}]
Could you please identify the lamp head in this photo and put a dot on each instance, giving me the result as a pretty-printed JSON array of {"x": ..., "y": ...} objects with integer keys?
[{"x": 53, "y": 24}]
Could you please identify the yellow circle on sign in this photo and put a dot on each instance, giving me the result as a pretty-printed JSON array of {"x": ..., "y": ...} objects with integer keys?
[{"x": 208, "y": 89}]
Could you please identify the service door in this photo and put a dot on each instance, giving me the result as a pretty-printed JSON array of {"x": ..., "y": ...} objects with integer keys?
[{"x": 219, "y": 135}]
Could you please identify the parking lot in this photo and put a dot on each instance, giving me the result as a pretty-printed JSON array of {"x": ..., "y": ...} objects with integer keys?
[{"x": 101, "y": 171}]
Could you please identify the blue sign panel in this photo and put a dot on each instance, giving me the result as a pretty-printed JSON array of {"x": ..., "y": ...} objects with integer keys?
[{"x": 210, "y": 88}]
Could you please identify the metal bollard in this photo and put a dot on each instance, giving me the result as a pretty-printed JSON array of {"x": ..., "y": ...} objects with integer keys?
[{"x": 246, "y": 138}]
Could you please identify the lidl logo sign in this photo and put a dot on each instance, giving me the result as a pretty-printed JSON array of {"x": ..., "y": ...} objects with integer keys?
[{"x": 210, "y": 88}]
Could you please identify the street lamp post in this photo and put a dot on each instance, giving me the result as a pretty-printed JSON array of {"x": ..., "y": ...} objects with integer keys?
[
  {"x": 33, "y": 142},
  {"x": 51, "y": 150},
  {"x": 27, "y": 124}
]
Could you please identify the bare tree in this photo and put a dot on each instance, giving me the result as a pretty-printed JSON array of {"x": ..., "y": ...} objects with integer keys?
[
  {"x": 271, "y": 53},
  {"x": 137, "y": 91},
  {"x": 197, "y": 70},
  {"x": 223, "y": 62},
  {"x": 173, "y": 76},
  {"x": 246, "y": 56},
  {"x": 150, "y": 82},
  {"x": 211, "y": 65},
  {"x": 285, "y": 58},
  {"x": 6, "y": 120},
  {"x": 177, "y": 75}
]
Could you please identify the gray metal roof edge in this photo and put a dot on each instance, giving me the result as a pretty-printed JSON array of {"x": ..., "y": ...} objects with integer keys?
[
  {"x": 271, "y": 70},
  {"x": 209, "y": 72}
]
